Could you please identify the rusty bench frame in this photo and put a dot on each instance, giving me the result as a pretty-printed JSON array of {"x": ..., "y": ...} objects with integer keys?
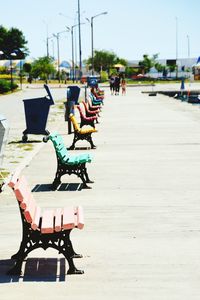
[{"x": 34, "y": 236}]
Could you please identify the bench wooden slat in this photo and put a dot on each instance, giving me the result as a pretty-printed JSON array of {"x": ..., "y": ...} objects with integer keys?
[
  {"x": 93, "y": 106},
  {"x": 88, "y": 130},
  {"x": 47, "y": 222},
  {"x": 14, "y": 178},
  {"x": 74, "y": 122},
  {"x": 30, "y": 210},
  {"x": 62, "y": 153},
  {"x": 80, "y": 130},
  {"x": 58, "y": 219},
  {"x": 25, "y": 201},
  {"x": 92, "y": 112},
  {"x": 21, "y": 189},
  {"x": 68, "y": 218},
  {"x": 36, "y": 221}
]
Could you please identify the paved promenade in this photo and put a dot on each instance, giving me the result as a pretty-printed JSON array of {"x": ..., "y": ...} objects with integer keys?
[{"x": 141, "y": 238}]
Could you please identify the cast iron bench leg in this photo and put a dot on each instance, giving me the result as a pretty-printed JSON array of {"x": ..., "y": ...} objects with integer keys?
[
  {"x": 17, "y": 269},
  {"x": 91, "y": 141},
  {"x": 57, "y": 178},
  {"x": 82, "y": 176},
  {"x": 65, "y": 247},
  {"x": 74, "y": 142},
  {"x": 87, "y": 176}
]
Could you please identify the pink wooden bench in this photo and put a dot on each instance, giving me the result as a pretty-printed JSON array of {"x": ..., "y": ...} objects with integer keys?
[{"x": 44, "y": 228}]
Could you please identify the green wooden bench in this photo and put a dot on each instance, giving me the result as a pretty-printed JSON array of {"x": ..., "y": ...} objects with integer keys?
[
  {"x": 69, "y": 164},
  {"x": 44, "y": 228}
]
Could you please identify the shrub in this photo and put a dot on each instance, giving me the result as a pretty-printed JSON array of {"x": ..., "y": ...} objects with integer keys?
[
  {"x": 5, "y": 86},
  {"x": 104, "y": 76}
]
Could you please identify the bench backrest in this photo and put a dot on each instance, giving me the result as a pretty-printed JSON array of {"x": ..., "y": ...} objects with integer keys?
[
  {"x": 81, "y": 109},
  {"x": 91, "y": 104},
  {"x": 85, "y": 105},
  {"x": 91, "y": 96},
  {"x": 48, "y": 221},
  {"x": 25, "y": 199},
  {"x": 59, "y": 146},
  {"x": 94, "y": 99},
  {"x": 74, "y": 122}
]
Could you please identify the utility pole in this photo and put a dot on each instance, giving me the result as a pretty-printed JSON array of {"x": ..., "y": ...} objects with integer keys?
[
  {"x": 188, "y": 40},
  {"x": 57, "y": 36},
  {"x": 91, "y": 21},
  {"x": 80, "y": 51},
  {"x": 176, "y": 47}
]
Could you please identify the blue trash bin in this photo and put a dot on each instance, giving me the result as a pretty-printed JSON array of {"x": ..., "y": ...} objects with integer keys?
[
  {"x": 92, "y": 81},
  {"x": 36, "y": 115},
  {"x": 73, "y": 93}
]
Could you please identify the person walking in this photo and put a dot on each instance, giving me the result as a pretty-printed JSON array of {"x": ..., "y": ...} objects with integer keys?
[
  {"x": 112, "y": 83},
  {"x": 123, "y": 86},
  {"x": 117, "y": 84}
]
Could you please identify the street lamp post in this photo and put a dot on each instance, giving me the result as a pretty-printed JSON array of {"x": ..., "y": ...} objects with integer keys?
[
  {"x": 47, "y": 37},
  {"x": 92, "y": 36},
  {"x": 72, "y": 37},
  {"x": 79, "y": 29},
  {"x": 12, "y": 56},
  {"x": 52, "y": 44},
  {"x": 188, "y": 40},
  {"x": 47, "y": 43},
  {"x": 57, "y": 36},
  {"x": 176, "y": 47}
]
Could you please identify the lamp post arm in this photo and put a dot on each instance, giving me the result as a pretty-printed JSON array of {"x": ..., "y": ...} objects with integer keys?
[{"x": 92, "y": 37}]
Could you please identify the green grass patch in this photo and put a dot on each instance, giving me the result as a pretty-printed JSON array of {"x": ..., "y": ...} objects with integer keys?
[
  {"x": 3, "y": 173},
  {"x": 25, "y": 147},
  {"x": 60, "y": 106}
]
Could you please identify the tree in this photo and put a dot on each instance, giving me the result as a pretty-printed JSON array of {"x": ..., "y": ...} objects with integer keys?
[
  {"x": 159, "y": 67},
  {"x": 3, "y": 70},
  {"x": 104, "y": 76},
  {"x": 130, "y": 71},
  {"x": 27, "y": 67},
  {"x": 43, "y": 67},
  {"x": 121, "y": 61},
  {"x": 12, "y": 40},
  {"x": 103, "y": 60},
  {"x": 148, "y": 62},
  {"x": 172, "y": 68}
]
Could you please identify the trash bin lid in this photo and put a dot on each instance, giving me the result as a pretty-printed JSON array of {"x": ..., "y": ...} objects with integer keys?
[
  {"x": 73, "y": 93},
  {"x": 49, "y": 93}
]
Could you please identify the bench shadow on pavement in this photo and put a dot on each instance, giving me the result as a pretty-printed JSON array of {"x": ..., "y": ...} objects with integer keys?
[
  {"x": 62, "y": 188},
  {"x": 28, "y": 142},
  {"x": 35, "y": 269}
]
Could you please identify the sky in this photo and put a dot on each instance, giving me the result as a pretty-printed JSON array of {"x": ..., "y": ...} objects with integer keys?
[{"x": 129, "y": 29}]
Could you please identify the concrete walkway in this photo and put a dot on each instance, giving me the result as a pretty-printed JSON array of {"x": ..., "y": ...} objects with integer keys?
[{"x": 141, "y": 238}]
